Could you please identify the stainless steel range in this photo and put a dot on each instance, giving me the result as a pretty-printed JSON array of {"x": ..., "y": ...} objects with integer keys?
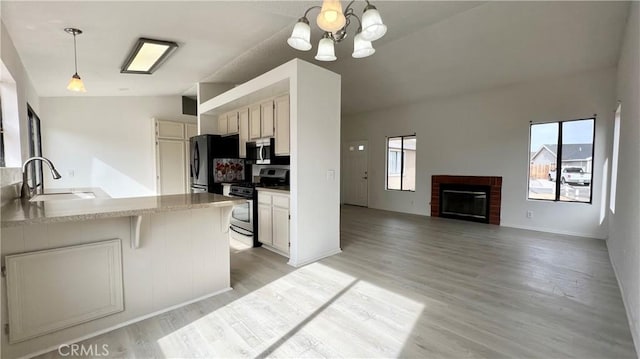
[
  {"x": 243, "y": 225},
  {"x": 244, "y": 222}
]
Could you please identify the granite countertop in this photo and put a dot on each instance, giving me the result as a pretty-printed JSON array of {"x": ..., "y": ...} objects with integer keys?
[
  {"x": 18, "y": 212},
  {"x": 282, "y": 189}
]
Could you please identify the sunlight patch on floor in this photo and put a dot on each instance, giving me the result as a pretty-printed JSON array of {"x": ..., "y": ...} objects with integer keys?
[
  {"x": 313, "y": 311},
  {"x": 237, "y": 246}
]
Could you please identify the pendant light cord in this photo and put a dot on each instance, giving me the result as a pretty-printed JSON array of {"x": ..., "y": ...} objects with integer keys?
[{"x": 75, "y": 53}]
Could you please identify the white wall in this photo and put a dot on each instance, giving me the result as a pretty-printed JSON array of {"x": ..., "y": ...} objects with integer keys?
[
  {"x": 106, "y": 142},
  {"x": 487, "y": 134},
  {"x": 315, "y": 153},
  {"x": 624, "y": 224},
  {"x": 17, "y": 90}
]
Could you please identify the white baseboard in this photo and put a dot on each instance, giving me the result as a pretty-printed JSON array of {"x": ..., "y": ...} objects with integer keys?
[
  {"x": 635, "y": 335},
  {"x": 552, "y": 230},
  {"x": 124, "y": 324},
  {"x": 314, "y": 259},
  {"x": 274, "y": 250}
]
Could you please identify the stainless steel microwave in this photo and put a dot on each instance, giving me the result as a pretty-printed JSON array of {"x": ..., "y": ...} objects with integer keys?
[{"x": 262, "y": 152}]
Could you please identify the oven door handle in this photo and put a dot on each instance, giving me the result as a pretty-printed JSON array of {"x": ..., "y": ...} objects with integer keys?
[{"x": 241, "y": 231}]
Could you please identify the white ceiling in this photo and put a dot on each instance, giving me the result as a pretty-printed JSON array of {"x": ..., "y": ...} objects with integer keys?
[{"x": 431, "y": 48}]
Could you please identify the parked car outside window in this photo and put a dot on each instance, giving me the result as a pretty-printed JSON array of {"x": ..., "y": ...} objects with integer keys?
[{"x": 572, "y": 175}]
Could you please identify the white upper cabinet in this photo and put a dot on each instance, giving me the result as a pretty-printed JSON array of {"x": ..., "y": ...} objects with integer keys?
[
  {"x": 191, "y": 129},
  {"x": 170, "y": 130},
  {"x": 232, "y": 122},
  {"x": 243, "y": 129},
  {"x": 266, "y": 112},
  {"x": 223, "y": 124},
  {"x": 282, "y": 126},
  {"x": 254, "y": 122}
]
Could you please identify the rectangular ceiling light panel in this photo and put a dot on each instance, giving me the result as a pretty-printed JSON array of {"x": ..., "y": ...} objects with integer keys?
[{"x": 147, "y": 55}]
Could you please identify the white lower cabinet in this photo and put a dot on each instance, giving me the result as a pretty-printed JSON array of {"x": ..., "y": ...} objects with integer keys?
[
  {"x": 280, "y": 227},
  {"x": 273, "y": 221},
  {"x": 53, "y": 289},
  {"x": 265, "y": 229}
]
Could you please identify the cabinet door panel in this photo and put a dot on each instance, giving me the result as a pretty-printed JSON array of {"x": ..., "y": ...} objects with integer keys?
[
  {"x": 53, "y": 289},
  {"x": 264, "y": 198},
  {"x": 254, "y": 122},
  {"x": 243, "y": 129},
  {"x": 171, "y": 166},
  {"x": 264, "y": 224},
  {"x": 282, "y": 124},
  {"x": 266, "y": 110},
  {"x": 170, "y": 130},
  {"x": 191, "y": 130},
  {"x": 232, "y": 124},
  {"x": 222, "y": 125},
  {"x": 281, "y": 229},
  {"x": 281, "y": 201}
]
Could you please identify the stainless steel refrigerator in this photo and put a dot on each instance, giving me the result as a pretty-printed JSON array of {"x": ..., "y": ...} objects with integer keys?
[{"x": 208, "y": 152}]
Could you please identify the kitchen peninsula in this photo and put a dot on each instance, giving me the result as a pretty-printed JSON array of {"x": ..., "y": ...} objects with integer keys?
[{"x": 77, "y": 268}]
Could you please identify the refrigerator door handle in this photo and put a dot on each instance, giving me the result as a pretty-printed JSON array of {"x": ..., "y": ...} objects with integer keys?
[{"x": 196, "y": 160}]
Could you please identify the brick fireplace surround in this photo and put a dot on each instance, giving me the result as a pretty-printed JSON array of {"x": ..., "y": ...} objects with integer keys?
[{"x": 495, "y": 197}]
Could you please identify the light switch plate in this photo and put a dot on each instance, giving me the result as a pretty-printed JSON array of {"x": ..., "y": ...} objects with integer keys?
[{"x": 331, "y": 175}]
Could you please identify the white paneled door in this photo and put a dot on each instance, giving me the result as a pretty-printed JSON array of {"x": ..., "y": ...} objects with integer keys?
[{"x": 356, "y": 172}]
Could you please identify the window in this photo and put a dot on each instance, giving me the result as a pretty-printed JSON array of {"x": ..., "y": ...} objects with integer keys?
[
  {"x": 401, "y": 163},
  {"x": 614, "y": 160},
  {"x": 395, "y": 160},
  {"x": 561, "y": 161},
  {"x": 2, "y": 161},
  {"x": 35, "y": 148}
]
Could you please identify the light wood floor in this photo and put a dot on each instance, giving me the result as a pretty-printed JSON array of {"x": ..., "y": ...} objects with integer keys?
[{"x": 404, "y": 286}]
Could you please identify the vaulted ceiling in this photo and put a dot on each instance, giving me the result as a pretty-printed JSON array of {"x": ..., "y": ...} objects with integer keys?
[{"x": 431, "y": 48}]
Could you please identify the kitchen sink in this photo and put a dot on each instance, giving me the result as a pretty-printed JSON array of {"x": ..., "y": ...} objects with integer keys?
[{"x": 62, "y": 196}]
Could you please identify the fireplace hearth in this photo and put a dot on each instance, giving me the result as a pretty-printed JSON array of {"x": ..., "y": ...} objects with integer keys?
[{"x": 470, "y": 198}]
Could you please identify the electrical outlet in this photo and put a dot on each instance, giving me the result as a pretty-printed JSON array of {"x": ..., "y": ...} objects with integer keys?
[
  {"x": 529, "y": 214},
  {"x": 71, "y": 173}
]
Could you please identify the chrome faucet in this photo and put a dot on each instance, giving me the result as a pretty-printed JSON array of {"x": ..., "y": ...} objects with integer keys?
[{"x": 26, "y": 191}]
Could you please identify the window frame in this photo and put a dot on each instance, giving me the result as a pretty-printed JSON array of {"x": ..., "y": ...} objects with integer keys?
[
  {"x": 615, "y": 158},
  {"x": 559, "y": 143},
  {"x": 402, "y": 162},
  {"x": 3, "y": 162},
  {"x": 35, "y": 147}
]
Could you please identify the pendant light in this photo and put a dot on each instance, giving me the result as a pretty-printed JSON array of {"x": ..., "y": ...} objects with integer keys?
[
  {"x": 372, "y": 26},
  {"x": 335, "y": 24},
  {"x": 326, "y": 51},
  {"x": 301, "y": 36},
  {"x": 75, "y": 84},
  {"x": 361, "y": 48},
  {"x": 331, "y": 18}
]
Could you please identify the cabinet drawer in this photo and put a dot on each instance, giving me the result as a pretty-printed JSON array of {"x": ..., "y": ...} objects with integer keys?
[
  {"x": 264, "y": 198},
  {"x": 281, "y": 201}
]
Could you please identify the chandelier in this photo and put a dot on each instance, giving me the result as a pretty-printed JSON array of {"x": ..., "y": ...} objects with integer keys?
[{"x": 335, "y": 22}]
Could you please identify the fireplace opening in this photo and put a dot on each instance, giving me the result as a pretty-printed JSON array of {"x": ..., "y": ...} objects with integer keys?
[{"x": 467, "y": 202}]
